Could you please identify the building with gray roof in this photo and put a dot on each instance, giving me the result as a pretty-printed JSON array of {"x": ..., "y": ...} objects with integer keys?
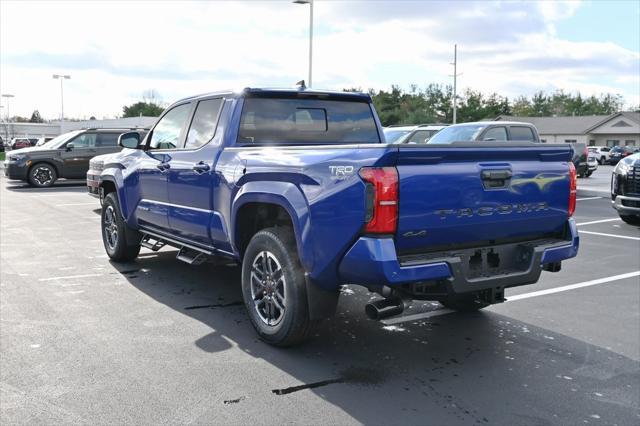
[{"x": 621, "y": 128}]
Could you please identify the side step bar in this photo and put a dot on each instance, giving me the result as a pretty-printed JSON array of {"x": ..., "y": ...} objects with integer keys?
[
  {"x": 187, "y": 254},
  {"x": 152, "y": 243},
  {"x": 190, "y": 256}
]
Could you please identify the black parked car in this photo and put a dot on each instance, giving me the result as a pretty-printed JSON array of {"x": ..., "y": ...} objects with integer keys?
[
  {"x": 625, "y": 189},
  {"x": 66, "y": 156},
  {"x": 617, "y": 153}
]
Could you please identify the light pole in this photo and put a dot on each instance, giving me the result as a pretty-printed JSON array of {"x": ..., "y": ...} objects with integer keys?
[
  {"x": 61, "y": 78},
  {"x": 455, "y": 82},
  {"x": 8, "y": 96},
  {"x": 310, "y": 3}
]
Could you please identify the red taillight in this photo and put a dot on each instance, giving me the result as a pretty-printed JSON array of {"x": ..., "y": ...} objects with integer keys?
[
  {"x": 381, "y": 199},
  {"x": 573, "y": 187}
]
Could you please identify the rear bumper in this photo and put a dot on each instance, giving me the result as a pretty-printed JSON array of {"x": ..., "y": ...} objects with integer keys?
[{"x": 374, "y": 262}]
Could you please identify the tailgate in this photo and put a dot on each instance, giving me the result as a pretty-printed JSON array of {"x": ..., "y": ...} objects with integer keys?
[{"x": 468, "y": 195}]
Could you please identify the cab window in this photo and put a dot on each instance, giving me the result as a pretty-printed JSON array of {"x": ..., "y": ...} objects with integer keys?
[
  {"x": 168, "y": 131},
  {"x": 203, "y": 126},
  {"x": 420, "y": 136},
  {"x": 522, "y": 133},
  {"x": 495, "y": 134},
  {"x": 107, "y": 140},
  {"x": 85, "y": 140}
]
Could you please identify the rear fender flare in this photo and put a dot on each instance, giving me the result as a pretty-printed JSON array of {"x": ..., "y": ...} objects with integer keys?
[{"x": 289, "y": 197}]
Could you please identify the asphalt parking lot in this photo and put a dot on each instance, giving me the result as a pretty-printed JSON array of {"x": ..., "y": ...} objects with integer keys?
[{"x": 157, "y": 341}]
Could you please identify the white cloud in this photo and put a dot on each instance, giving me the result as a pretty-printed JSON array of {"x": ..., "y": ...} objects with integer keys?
[{"x": 116, "y": 50}]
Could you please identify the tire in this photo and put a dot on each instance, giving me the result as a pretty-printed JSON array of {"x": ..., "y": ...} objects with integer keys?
[
  {"x": 464, "y": 302},
  {"x": 277, "y": 305},
  {"x": 116, "y": 233},
  {"x": 631, "y": 219},
  {"x": 589, "y": 174},
  {"x": 42, "y": 175},
  {"x": 602, "y": 160}
]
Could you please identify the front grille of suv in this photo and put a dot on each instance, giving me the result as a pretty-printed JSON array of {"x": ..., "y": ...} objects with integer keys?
[{"x": 632, "y": 183}]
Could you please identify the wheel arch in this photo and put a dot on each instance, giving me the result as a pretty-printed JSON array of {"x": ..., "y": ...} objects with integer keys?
[
  {"x": 260, "y": 205},
  {"x": 48, "y": 163},
  {"x": 109, "y": 184}
]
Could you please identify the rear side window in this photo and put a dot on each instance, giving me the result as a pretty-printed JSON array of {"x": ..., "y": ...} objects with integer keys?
[
  {"x": 290, "y": 121},
  {"x": 495, "y": 134},
  {"x": 522, "y": 133},
  {"x": 107, "y": 139},
  {"x": 204, "y": 123}
]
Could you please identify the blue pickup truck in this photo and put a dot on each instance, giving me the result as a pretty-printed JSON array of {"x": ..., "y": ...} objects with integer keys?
[{"x": 300, "y": 188}]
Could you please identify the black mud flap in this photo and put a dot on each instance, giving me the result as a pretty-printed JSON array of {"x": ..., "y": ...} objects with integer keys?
[{"x": 322, "y": 303}]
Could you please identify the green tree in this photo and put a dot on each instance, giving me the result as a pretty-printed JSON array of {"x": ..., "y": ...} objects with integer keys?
[
  {"x": 35, "y": 117},
  {"x": 142, "y": 108}
]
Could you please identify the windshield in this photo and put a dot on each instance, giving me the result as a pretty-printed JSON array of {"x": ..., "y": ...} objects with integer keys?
[
  {"x": 457, "y": 133},
  {"x": 59, "y": 140},
  {"x": 393, "y": 135}
]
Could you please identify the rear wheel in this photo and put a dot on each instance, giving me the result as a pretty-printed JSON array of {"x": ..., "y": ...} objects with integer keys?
[
  {"x": 42, "y": 175},
  {"x": 121, "y": 242},
  {"x": 631, "y": 219},
  {"x": 467, "y": 302},
  {"x": 274, "y": 289},
  {"x": 589, "y": 173}
]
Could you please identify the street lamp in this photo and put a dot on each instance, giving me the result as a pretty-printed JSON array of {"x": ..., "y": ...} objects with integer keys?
[
  {"x": 61, "y": 78},
  {"x": 8, "y": 96},
  {"x": 310, "y": 3}
]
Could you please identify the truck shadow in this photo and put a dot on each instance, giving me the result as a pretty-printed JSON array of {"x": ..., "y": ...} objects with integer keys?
[{"x": 476, "y": 368}]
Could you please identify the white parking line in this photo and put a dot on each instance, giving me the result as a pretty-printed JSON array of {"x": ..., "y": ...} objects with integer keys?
[
  {"x": 598, "y": 221},
  {"x": 445, "y": 311},
  {"x": 68, "y": 277},
  {"x": 574, "y": 286},
  {"x": 588, "y": 198},
  {"x": 77, "y": 204},
  {"x": 610, "y": 235}
]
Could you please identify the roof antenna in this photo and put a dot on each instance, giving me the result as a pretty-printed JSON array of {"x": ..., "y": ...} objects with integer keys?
[{"x": 301, "y": 85}]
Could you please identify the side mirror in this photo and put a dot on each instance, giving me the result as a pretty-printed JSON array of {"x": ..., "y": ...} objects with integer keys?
[
  {"x": 70, "y": 146},
  {"x": 129, "y": 140}
]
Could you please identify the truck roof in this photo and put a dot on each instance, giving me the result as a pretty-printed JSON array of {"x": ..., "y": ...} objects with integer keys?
[
  {"x": 491, "y": 123},
  {"x": 282, "y": 92}
]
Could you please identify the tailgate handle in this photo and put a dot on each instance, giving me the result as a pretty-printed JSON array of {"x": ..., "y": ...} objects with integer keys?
[{"x": 496, "y": 174}]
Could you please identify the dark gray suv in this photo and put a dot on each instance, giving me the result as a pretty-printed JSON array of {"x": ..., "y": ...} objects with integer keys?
[{"x": 66, "y": 156}]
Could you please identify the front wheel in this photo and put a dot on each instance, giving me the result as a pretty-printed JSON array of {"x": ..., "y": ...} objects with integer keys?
[
  {"x": 274, "y": 289},
  {"x": 589, "y": 174},
  {"x": 468, "y": 302},
  {"x": 42, "y": 175},
  {"x": 631, "y": 219},
  {"x": 121, "y": 242}
]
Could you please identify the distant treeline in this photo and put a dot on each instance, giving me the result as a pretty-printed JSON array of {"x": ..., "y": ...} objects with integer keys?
[{"x": 433, "y": 104}]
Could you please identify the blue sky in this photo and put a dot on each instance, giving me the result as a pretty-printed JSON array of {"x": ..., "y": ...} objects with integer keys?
[
  {"x": 615, "y": 20},
  {"x": 116, "y": 50}
]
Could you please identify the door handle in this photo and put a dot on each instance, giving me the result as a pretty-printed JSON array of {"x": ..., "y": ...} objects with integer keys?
[
  {"x": 496, "y": 174},
  {"x": 495, "y": 179},
  {"x": 163, "y": 167},
  {"x": 201, "y": 167}
]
